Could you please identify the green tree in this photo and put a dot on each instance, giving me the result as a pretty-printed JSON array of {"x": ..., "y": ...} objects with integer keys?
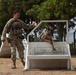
[
  {"x": 7, "y": 7},
  {"x": 39, "y": 9},
  {"x": 53, "y": 10},
  {"x": 4, "y": 14}
]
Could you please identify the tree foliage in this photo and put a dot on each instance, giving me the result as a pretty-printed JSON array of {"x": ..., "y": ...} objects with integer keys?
[
  {"x": 55, "y": 9},
  {"x": 39, "y": 9}
]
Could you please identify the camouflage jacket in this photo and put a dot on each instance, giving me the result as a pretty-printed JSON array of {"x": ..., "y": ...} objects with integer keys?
[{"x": 14, "y": 28}]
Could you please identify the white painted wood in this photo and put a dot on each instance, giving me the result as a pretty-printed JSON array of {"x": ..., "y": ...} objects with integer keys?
[
  {"x": 39, "y": 54},
  {"x": 48, "y": 57},
  {"x": 43, "y": 45}
]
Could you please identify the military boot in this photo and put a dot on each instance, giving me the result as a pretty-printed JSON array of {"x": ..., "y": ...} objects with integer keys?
[
  {"x": 14, "y": 65},
  {"x": 23, "y": 62}
]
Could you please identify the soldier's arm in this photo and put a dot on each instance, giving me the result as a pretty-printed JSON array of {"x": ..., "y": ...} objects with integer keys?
[
  {"x": 25, "y": 26},
  {"x": 3, "y": 37}
]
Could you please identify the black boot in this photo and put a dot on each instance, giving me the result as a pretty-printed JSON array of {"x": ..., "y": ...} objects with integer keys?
[
  {"x": 23, "y": 62},
  {"x": 14, "y": 65}
]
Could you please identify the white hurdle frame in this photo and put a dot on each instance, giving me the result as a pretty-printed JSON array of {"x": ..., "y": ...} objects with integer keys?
[{"x": 27, "y": 65}]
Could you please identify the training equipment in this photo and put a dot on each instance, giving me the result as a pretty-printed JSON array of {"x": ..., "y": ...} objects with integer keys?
[{"x": 41, "y": 55}]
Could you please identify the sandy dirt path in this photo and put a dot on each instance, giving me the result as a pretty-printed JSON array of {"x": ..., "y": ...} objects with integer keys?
[{"x": 6, "y": 64}]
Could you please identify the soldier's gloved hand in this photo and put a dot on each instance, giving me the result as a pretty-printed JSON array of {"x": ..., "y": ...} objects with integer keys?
[{"x": 34, "y": 23}]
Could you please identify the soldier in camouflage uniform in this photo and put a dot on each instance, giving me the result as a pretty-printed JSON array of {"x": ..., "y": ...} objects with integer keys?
[{"x": 14, "y": 27}]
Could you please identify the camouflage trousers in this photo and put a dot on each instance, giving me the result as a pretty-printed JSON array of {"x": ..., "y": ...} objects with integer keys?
[{"x": 16, "y": 44}]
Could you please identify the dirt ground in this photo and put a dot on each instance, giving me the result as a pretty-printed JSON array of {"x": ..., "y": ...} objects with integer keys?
[{"x": 6, "y": 64}]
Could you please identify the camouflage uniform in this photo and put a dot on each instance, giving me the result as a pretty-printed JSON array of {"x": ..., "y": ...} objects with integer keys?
[{"x": 14, "y": 33}]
